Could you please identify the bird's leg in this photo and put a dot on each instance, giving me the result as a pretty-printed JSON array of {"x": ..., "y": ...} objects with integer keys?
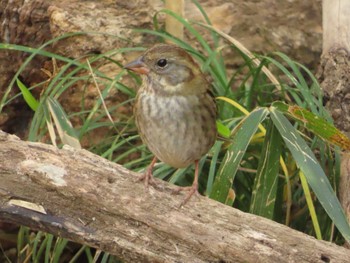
[
  {"x": 191, "y": 189},
  {"x": 147, "y": 176}
]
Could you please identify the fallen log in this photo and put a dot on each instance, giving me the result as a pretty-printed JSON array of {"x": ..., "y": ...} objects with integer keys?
[{"x": 87, "y": 199}]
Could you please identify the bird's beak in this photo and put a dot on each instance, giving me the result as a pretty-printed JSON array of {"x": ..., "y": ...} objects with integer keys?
[{"x": 137, "y": 66}]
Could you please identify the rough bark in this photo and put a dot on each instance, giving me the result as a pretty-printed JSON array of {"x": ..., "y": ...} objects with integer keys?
[
  {"x": 334, "y": 75},
  {"x": 90, "y": 200}
]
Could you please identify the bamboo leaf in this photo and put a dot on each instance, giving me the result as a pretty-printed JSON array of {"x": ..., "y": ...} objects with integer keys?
[
  {"x": 315, "y": 124},
  {"x": 315, "y": 176},
  {"x": 243, "y": 133},
  {"x": 266, "y": 180}
]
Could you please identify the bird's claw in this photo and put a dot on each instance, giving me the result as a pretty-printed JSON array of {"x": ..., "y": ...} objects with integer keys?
[
  {"x": 192, "y": 190},
  {"x": 147, "y": 179}
]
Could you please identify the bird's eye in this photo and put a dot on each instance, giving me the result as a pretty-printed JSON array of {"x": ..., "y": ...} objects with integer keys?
[{"x": 162, "y": 63}]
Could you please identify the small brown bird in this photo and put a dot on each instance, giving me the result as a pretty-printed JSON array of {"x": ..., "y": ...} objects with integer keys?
[{"x": 175, "y": 111}]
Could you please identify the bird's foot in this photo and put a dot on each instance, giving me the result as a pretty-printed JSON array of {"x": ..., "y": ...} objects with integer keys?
[
  {"x": 147, "y": 176},
  {"x": 147, "y": 179},
  {"x": 192, "y": 190}
]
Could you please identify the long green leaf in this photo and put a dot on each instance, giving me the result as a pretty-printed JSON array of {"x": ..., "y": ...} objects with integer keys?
[
  {"x": 36, "y": 242},
  {"x": 266, "y": 180},
  {"x": 48, "y": 248},
  {"x": 215, "y": 150},
  {"x": 313, "y": 172},
  {"x": 241, "y": 138},
  {"x": 60, "y": 245},
  {"x": 315, "y": 124},
  {"x": 34, "y": 52},
  {"x": 310, "y": 205},
  {"x": 27, "y": 95},
  {"x": 300, "y": 83}
]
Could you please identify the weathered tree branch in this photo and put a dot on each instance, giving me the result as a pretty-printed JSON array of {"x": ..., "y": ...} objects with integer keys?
[
  {"x": 334, "y": 76},
  {"x": 90, "y": 200}
]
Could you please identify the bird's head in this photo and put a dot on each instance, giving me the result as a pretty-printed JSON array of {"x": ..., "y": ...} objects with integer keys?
[{"x": 170, "y": 69}]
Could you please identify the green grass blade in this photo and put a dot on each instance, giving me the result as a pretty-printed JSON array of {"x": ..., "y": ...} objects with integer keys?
[
  {"x": 98, "y": 103},
  {"x": 22, "y": 239},
  {"x": 214, "y": 159},
  {"x": 241, "y": 138},
  {"x": 310, "y": 205},
  {"x": 179, "y": 173},
  {"x": 300, "y": 83},
  {"x": 266, "y": 180},
  {"x": 41, "y": 249},
  {"x": 315, "y": 124},
  {"x": 222, "y": 129},
  {"x": 36, "y": 242},
  {"x": 27, "y": 95},
  {"x": 313, "y": 172},
  {"x": 88, "y": 254},
  {"x": 214, "y": 36},
  {"x": 48, "y": 248},
  {"x": 60, "y": 245},
  {"x": 33, "y": 52},
  {"x": 105, "y": 257},
  {"x": 77, "y": 254}
]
